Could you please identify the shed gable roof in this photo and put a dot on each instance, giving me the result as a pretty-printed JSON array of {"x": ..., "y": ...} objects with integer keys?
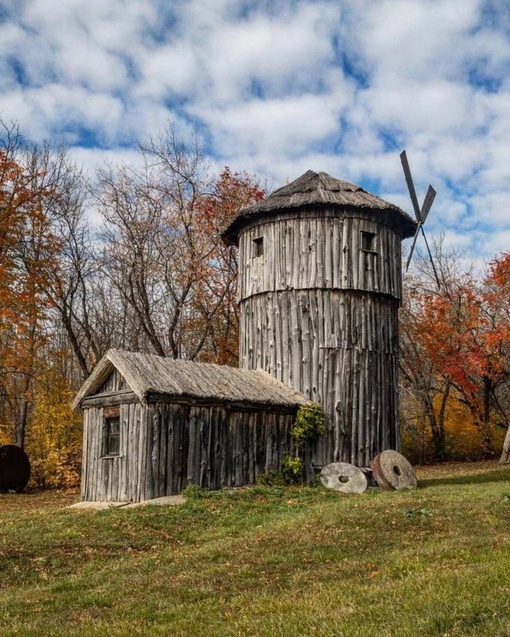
[
  {"x": 148, "y": 374},
  {"x": 320, "y": 189}
]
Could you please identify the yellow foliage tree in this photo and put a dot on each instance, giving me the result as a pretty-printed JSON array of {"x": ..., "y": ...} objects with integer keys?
[{"x": 54, "y": 439}]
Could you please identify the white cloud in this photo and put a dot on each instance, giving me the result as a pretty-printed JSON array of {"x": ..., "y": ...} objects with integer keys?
[
  {"x": 281, "y": 86},
  {"x": 287, "y": 125}
]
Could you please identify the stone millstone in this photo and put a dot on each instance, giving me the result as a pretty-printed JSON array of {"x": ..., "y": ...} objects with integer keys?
[
  {"x": 344, "y": 477},
  {"x": 392, "y": 471}
]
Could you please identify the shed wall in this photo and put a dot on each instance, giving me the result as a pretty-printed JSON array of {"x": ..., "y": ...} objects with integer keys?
[
  {"x": 114, "y": 478},
  {"x": 164, "y": 447}
]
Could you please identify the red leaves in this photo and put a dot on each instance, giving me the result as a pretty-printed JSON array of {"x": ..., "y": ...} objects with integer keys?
[
  {"x": 463, "y": 332},
  {"x": 231, "y": 193},
  {"x": 28, "y": 250}
]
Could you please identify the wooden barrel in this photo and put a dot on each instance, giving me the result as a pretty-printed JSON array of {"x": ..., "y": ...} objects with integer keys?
[{"x": 14, "y": 468}]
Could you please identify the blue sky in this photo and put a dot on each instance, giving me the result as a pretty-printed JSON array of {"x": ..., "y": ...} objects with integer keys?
[{"x": 281, "y": 86}]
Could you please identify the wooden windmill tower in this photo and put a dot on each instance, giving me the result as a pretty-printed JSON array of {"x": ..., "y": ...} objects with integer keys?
[{"x": 319, "y": 292}]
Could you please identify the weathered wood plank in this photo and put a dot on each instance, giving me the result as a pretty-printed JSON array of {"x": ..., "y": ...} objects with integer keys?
[
  {"x": 316, "y": 251},
  {"x": 355, "y": 343}
]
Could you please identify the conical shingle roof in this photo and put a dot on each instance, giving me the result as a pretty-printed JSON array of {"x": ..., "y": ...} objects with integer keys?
[{"x": 320, "y": 190}]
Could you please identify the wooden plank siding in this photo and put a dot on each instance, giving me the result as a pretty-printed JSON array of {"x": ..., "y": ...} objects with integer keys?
[
  {"x": 320, "y": 313},
  {"x": 114, "y": 383},
  {"x": 319, "y": 252},
  {"x": 166, "y": 446}
]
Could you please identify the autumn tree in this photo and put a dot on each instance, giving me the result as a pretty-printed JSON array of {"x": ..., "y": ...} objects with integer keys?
[
  {"x": 215, "y": 301},
  {"x": 162, "y": 248},
  {"x": 497, "y": 312},
  {"x": 424, "y": 391},
  {"x": 27, "y": 258},
  {"x": 452, "y": 350}
]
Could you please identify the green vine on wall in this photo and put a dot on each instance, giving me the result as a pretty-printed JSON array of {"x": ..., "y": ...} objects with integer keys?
[{"x": 309, "y": 425}]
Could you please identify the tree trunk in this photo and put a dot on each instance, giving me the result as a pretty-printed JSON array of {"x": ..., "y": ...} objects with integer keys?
[
  {"x": 486, "y": 424},
  {"x": 505, "y": 456},
  {"x": 22, "y": 424}
]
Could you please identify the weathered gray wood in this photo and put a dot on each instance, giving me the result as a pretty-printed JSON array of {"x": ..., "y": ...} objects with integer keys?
[
  {"x": 150, "y": 376},
  {"x": 319, "y": 309},
  {"x": 165, "y": 446},
  {"x": 338, "y": 348},
  {"x": 297, "y": 242},
  {"x": 111, "y": 399}
]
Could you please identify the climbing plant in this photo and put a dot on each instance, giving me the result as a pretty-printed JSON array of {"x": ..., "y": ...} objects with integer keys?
[{"x": 309, "y": 425}]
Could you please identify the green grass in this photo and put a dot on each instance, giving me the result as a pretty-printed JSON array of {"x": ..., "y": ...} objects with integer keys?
[{"x": 265, "y": 561}]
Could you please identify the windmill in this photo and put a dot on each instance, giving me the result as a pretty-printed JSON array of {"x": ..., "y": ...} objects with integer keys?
[{"x": 421, "y": 214}]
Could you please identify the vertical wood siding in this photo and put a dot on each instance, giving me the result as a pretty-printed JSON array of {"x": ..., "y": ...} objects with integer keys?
[
  {"x": 319, "y": 253},
  {"x": 113, "y": 478},
  {"x": 114, "y": 382},
  {"x": 320, "y": 313},
  {"x": 339, "y": 349},
  {"x": 164, "y": 447}
]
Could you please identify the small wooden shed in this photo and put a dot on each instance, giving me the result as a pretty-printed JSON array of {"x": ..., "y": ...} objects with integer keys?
[{"x": 153, "y": 425}]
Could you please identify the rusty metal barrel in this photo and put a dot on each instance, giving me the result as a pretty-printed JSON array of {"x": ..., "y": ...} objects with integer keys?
[{"x": 14, "y": 468}]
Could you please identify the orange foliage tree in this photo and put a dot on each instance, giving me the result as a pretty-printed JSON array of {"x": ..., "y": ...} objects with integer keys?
[
  {"x": 27, "y": 259},
  {"x": 216, "y": 295},
  {"x": 497, "y": 308},
  {"x": 455, "y": 350}
]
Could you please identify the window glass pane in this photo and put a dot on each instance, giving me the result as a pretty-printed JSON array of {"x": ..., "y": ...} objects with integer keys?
[{"x": 111, "y": 436}]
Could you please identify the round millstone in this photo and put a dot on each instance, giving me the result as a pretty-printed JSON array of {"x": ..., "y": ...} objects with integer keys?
[
  {"x": 392, "y": 471},
  {"x": 344, "y": 477}
]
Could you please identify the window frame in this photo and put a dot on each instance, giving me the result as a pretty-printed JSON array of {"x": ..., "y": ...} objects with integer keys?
[
  {"x": 368, "y": 242},
  {"x": 111, "y": 439},
  {"x": 258, "y": 247}
]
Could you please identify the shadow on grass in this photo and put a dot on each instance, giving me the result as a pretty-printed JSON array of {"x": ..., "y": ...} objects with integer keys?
[{"x": 475, "y": 478}]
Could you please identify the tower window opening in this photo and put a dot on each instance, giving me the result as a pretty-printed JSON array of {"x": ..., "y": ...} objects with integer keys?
[
  {"x": 368, "y": 241},
  {"x": 258, "y": 247}
]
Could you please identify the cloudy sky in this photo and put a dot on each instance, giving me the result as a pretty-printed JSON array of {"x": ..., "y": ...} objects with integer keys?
[{"x": 280, "y": 86}]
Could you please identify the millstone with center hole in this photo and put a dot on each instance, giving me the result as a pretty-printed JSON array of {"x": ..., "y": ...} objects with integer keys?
[
  {"x": 14, "y": 468},
  {"x": 344, "y": 477},
  {"x": 392, "y": 471}
]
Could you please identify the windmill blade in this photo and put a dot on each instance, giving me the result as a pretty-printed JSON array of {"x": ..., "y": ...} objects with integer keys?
[
  {"x": 410, "y": 184},
  {"x": 427, "y": 204},
  {"x": 414, "y": 243},
  {"x": 431, "y": 259}
]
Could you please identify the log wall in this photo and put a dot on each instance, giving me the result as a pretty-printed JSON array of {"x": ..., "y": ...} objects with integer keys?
[
  {"x": 319, "y": 252},
  {"x": 164, "y": 447},
  {"x": 320, "y": 313}
]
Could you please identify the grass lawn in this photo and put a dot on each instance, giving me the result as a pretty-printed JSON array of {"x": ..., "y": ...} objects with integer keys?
[{"x": 265, "y": 561}]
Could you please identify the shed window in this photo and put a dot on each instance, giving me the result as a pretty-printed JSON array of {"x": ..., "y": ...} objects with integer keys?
[
  {"x": 368, "y": 241},
  {"x": 111, "y": 439},
  {"x": 258, "y": 247}
]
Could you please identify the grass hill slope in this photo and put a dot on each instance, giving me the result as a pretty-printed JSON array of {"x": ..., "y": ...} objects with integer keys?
[{"x": 265, "y": 561}]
